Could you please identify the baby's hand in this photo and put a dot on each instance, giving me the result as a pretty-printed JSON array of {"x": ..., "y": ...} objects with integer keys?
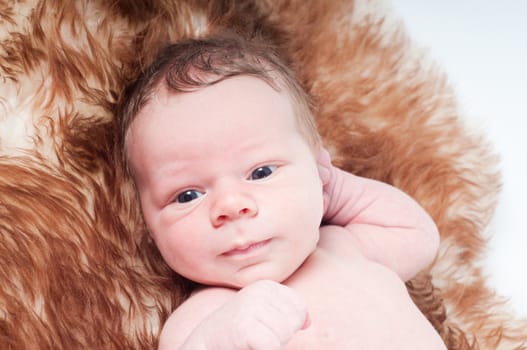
[{"x": 262, "y": 316}]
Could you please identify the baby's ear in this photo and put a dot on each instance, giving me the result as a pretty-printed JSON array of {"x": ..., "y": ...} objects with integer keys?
[{"x": 324, "y": 165}]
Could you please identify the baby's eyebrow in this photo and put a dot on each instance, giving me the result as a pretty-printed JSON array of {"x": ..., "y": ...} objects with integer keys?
[
  {"x": 178, "y": 167},
  {"x": 169, "y": 176}
]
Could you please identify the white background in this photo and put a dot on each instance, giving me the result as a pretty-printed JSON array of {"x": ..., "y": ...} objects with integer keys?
[{"x": 482, "y": 46}]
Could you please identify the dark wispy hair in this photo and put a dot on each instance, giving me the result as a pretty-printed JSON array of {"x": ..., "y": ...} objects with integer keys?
[{"x": 193, "y": 64}]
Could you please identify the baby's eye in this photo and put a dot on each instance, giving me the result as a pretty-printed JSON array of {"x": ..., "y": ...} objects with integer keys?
[
  {"x": 188, "y": 196},
  {"x": 262, "y": 172}
]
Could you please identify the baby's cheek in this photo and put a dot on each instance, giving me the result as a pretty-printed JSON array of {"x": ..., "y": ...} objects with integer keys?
[{"x": 313, "y": 219}]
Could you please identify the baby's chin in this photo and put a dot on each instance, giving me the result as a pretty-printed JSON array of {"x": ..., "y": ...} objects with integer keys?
[
  {"x": 275, "y": 274},
  {"x": 244, "y": 281}
]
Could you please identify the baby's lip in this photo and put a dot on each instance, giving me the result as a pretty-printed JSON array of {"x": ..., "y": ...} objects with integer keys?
[{"x": 246, "y": 248}]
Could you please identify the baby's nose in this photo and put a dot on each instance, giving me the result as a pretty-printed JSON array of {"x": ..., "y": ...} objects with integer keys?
[{"x": 232, "y": 207}]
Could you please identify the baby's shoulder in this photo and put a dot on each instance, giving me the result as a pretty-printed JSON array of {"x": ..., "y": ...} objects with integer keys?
[
  {"x": 201, "y": 302},
  {"x": 187, "y": 316},
  {"x": 339, "y": 242}
]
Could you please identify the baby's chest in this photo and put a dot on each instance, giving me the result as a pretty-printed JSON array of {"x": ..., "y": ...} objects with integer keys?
[
  {"x": 353, "y": 304},
  {"x": 346, "y": 277}
]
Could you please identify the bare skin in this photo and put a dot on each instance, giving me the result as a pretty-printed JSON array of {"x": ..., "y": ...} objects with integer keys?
[
  {"x": 353, "y": 303},
  {"x": 241, "y": 213}
]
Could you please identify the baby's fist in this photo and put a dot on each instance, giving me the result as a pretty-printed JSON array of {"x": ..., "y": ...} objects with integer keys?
[
  {"x": 262, "y": 316},
  {"x": 269, "y": 315}
]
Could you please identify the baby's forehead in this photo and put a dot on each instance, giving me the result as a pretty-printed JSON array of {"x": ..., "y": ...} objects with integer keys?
[
  {"x": 235, "y": 90},
  {"x": 162, "y": 94}
]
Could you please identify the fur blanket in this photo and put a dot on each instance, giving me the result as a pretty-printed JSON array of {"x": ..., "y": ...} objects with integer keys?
[{"x": 77, "y": 270}]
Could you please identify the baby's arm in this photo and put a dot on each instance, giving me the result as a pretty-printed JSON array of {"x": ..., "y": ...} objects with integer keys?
[
  {"x": 389, "y": 226},
  {"x": 261, "y": 316}
]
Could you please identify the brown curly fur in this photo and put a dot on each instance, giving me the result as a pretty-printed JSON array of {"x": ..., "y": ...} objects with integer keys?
[{"x": 77, "y": 270}]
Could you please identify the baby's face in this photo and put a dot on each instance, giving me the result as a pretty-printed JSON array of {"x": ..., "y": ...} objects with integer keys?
[{"x": 229, "y": 188}]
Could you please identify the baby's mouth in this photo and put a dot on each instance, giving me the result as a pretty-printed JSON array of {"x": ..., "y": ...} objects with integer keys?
[{"x": 246, "y": 249}]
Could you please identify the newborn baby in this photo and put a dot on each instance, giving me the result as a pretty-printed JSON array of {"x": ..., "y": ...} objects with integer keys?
[{"x": 241, "y": 197}]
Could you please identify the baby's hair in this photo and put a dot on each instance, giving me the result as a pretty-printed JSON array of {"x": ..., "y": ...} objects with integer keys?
[{"x": 193, "y": 64}]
